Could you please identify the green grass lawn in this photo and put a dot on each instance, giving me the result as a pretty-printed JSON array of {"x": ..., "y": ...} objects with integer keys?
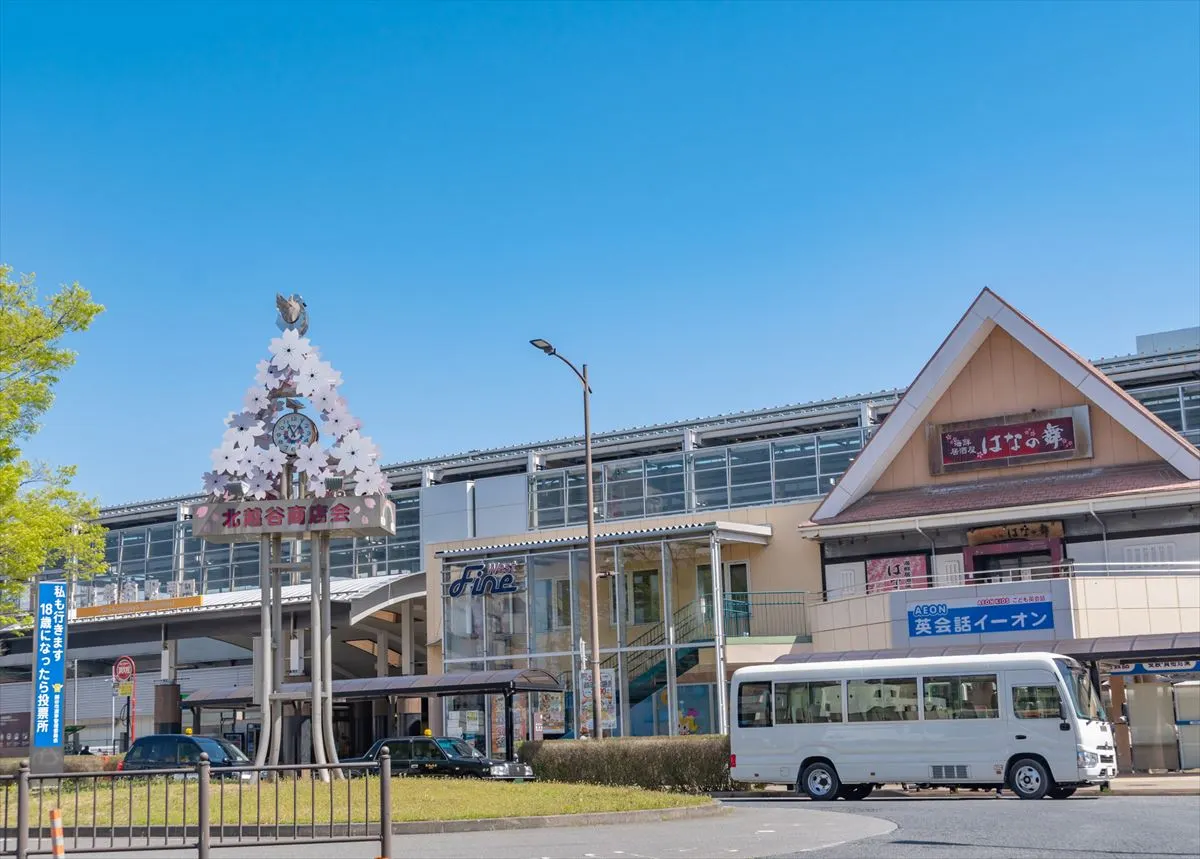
[{"x": 141, "y": 802}]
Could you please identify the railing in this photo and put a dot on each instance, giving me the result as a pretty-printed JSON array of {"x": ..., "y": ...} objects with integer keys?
[
  {"x": 1067, "y": 569},
  {"x": 766, "y": 613},
  {"x": 198, "y": 807}
]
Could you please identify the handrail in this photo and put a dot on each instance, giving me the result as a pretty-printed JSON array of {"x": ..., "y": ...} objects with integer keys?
[{"x": 1046, "y": 572}]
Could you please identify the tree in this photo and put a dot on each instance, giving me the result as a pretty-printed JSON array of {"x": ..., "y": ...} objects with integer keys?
[{"x": 44, "y": 524}]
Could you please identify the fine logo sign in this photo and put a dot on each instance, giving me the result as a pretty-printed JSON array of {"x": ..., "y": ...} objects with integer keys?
[
  {"x": 124, "y": 670},
  {"x": 481, "y": 579}
]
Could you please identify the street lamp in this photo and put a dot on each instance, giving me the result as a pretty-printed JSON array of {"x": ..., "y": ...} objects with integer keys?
[{"x": 593, "y": 577}]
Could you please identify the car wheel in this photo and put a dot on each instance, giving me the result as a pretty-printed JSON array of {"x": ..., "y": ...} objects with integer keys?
[
  {"x": 820, "y": 781},
  {"x": 1029, "y": 779},
  {"x": 1061, "y": 792}
]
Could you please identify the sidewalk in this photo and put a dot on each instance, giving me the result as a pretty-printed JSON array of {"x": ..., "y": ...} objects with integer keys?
[{"x": 1166, "y": 784}]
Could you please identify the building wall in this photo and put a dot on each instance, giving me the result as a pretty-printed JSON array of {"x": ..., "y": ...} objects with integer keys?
[
  {"x": 787, "y": 563},
  {"x": 1136, "y": 605},
  {"x": 1003, "y": 377}
]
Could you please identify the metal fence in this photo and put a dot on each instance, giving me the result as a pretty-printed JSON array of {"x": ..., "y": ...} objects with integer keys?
[{"x": 201, "y": 807}]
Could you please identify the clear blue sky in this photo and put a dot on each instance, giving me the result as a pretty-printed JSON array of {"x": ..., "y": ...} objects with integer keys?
[{"x": 719, "y": 206}]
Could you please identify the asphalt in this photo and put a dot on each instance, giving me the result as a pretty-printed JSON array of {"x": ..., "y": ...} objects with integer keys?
[{"x": 966, "y": 826}]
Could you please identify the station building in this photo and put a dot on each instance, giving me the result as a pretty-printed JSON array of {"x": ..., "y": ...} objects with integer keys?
[{"x": 1014, "y": 495}]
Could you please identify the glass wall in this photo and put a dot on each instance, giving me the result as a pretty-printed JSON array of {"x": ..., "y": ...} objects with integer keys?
[
  {"x": 736, "y": 476},
  {"x": 1177, "y": 405},
  {"x": 163, "y": 560},
  {"x": 538, "y": 606}
]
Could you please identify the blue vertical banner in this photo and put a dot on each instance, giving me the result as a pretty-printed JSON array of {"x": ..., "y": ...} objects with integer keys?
[{"x": 50, "y": 666}]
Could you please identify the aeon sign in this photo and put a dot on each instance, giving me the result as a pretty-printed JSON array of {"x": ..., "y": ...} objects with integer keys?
[{"x": 498, "y": 577}]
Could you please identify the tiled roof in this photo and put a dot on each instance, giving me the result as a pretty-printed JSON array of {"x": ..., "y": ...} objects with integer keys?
[{"x": 1061, "y": 486}]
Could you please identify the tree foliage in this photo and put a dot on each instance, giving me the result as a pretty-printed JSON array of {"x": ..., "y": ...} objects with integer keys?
[{"x": 44, "y": 524}]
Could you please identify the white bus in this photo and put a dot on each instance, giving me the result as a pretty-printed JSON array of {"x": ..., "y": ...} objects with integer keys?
[{"x": 1029, "y": 722}]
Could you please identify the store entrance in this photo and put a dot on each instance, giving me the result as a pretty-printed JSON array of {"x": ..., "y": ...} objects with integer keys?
[{"x": 1017, "y": 566}]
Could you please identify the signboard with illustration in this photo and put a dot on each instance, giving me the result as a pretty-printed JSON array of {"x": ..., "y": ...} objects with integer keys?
[
  {"x": 553, "y": 712},
  {"x": 497, "y": 710},
  {"x": 899, "y": 573},
  {"x": 608, "y": 700},
  {"x": 981, "y": 616},
  {"x": 1011, "y": 440},
  {"x": 14, "y": 735}
]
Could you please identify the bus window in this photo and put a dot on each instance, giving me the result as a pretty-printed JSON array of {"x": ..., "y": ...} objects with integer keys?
[
  {"x": 1035, "y": 702},
  {"x": 890, "y": 700},
  {"x": 808, "y": 703},
  {"x": 754, "y": 705},
  {"x": 965, "y": 697}
]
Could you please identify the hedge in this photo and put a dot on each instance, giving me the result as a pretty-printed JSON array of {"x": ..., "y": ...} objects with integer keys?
[
  {"x": 71, "y": 764},
  {"x": 691, "y": 764}
]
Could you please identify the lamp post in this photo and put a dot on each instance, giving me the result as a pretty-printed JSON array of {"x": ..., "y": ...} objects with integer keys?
[{"x": 593, "y": 577}]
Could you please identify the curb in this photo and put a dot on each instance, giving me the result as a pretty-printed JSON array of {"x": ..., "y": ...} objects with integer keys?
[
  {"x": 222, "y": 835},
  {"x": 895, "y": 794}
]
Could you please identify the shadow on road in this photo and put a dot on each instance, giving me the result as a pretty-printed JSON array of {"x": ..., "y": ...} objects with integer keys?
[{"x": 1041, "y": 850}]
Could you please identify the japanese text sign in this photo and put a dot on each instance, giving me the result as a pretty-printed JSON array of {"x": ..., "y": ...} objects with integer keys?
[
  {"x": 357, "y": 516},
  {"x": 891, "y": 574},
  {"x": 49, "y": 665},
  {"x": 1012, "y": 440},
  {"x": 983, "y": 616}
]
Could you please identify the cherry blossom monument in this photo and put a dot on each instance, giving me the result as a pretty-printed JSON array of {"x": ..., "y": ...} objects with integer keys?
[{"x": 294, "y": 466}]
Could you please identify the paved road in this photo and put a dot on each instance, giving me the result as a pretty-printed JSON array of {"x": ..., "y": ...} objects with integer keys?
[
  {"x": 742, "y": 833},
  {"x": 969, "y": 827},
  {"x": 986, "y": 827}
]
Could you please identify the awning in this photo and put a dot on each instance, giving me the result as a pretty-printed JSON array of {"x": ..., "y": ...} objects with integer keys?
[
  {"x": 1083, "y": 649},
  {"x": 411, "y": 686},
  {"x": 726, "y": 532}
]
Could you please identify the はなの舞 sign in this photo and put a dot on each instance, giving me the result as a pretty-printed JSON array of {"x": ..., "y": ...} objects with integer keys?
[{"x": 1011, "y": 440}]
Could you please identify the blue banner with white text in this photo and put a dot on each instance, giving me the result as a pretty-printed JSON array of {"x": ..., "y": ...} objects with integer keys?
[
  {"x": 50, "y": 665},
  {"x": 935, "y": 619}
]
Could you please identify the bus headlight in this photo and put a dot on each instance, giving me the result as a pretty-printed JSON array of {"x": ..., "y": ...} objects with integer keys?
[{"x": 1085, "y": 758}]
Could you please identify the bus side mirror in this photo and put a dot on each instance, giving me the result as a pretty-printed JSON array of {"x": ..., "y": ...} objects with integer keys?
[
  {"x": 1062, "y": 711},
  {"x": 1124, "y": 713}
]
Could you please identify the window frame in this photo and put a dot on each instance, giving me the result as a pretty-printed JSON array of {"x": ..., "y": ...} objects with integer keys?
[{"x": 762, "y": 686}]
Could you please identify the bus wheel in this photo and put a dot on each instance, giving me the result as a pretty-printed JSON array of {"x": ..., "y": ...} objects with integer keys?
[
  {"x": 855, "y": 791},
  {"x": 820, "y": 781},
  {"x": 1029, "y": 779},
  {"x": 1057, "y": 792}
]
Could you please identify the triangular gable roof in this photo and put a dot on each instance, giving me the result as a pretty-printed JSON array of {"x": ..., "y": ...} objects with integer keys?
[{"x": 986, "y": 313}]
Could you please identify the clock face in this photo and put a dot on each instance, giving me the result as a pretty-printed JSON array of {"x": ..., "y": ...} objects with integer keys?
[{"x": 293, "y": 431}]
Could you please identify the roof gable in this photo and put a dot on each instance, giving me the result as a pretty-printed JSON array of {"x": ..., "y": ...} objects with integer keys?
[{"x": 987, "y": 312}]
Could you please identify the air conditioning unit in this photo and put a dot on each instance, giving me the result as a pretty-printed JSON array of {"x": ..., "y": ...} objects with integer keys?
[
  {"x": 153, "y": 589},
  {"x": 187, "y": 588}
]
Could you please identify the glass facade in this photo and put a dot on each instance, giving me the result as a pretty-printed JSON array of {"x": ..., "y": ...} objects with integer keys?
[
  {"x": 656, "y": 633},
  {"x": 1177, "y": 405},
  {"x": 768, "y": 472},
  {"x": 165, "y": 560}
]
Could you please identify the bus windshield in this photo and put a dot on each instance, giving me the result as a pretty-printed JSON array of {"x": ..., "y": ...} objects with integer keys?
[{"x": 1085, "y": 698}]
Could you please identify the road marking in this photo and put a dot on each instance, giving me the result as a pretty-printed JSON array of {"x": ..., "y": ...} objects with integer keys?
[
  {"x": 765, "y": 832},
  {"x": 821, "y": 847}
]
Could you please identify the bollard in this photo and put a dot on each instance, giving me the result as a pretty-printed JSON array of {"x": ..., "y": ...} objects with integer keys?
[
  {"x": 58, "y": 846},
  {"x": 385, "y": 803},
  {"x": 203, "y": 814},
  {"x": 23, "y": 811}
]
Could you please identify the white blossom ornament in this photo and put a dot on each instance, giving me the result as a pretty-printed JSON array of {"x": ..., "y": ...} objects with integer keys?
[
  {"x": 270, "y": 459},
  {"x": 227, "y": 459},
  {"x": 310, "y": 459},
  {"x": 263, "y": 375},
  {"x": 260, "y": 484},
  {"x": 288, "y": 350},
  {"x": 316, "y": 482},
  {"x": 257, "y": 399},
  {"x": 337, "y": 423},
  {"x": 357, "y": 452},
  {"x": 214, "y": 482},
  {"x": 245, "y": 421},
  {"x": 370, "y": 482},
  {"x": 326, "y": 399}
]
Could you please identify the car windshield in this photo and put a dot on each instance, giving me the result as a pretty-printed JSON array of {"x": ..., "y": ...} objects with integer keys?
[
  {"x": 1085, "y": 698},
  {"x": 220, "y": 751},
  {"x": 458, "y": 748}
]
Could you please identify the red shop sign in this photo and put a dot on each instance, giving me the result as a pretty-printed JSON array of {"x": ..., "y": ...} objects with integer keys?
[{"x": 1012, "y": 440}]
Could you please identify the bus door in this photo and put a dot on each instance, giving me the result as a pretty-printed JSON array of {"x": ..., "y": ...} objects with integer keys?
[{"x": 1035, "y": 703}]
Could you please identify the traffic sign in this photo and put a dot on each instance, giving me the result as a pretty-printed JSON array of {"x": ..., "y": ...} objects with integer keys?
[{"x": 124, "y": 670}]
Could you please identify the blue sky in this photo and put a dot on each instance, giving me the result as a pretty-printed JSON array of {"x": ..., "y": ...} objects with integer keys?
[{"x": 719, "y": 206}]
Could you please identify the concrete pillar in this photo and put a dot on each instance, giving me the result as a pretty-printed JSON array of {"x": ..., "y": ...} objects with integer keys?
[{"x": 407, "y": 639}]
